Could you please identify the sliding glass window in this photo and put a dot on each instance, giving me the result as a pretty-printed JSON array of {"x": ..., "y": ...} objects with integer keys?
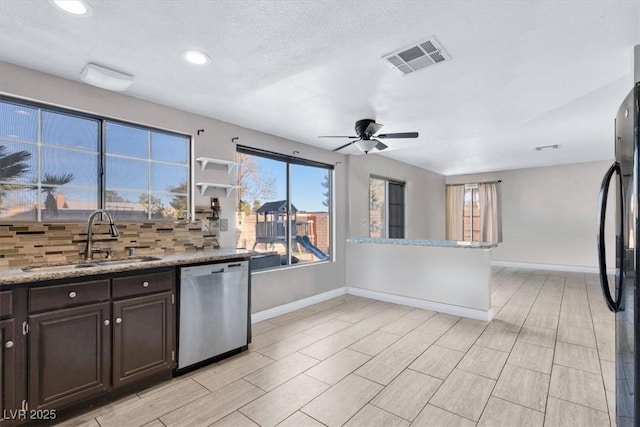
[
  {"x": 284, "y": 205},
  {"x": 386, "y": 208},
  {"x": 60, "y": 165}
]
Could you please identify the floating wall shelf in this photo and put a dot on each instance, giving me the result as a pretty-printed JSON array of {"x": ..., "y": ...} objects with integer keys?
[
  {"x": 206, "y": 160},
  {"x": 206, "y": 185}
]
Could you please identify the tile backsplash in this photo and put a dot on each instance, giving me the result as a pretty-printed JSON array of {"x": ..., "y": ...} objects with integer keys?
[{"x": 31, "y": 243}]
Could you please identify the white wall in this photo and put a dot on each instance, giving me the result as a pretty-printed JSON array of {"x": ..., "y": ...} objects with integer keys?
[
  {"x": 269, "y": 288},
  {"x": 549, "y": 214},
  {"x": 425, "y": 209}
]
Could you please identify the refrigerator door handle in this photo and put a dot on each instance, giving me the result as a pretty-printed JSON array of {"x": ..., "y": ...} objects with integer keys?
[{"x": 614, "y": 305}]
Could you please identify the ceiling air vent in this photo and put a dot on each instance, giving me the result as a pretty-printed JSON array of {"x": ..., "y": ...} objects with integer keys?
[{"x": 417, "y": 56}]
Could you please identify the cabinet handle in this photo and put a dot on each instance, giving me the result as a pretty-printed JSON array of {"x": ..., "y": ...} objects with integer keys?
[
  {"x": 72, "y": 294},
  {"x": 106, "y": 323},
  {"x": 145, "y": 284},
  {"x": 118, "y": 320},
  {"x": 8, "y": 344}
]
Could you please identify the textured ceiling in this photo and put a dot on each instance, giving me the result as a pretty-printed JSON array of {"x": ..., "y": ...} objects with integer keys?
[{"x": 522, "y": 74}]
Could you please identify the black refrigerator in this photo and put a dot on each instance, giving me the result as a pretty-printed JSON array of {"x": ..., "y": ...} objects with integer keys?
[{"x": 622, "y": 295}]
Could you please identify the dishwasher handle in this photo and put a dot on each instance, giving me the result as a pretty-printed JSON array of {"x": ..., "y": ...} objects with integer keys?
[{"x": 218, "y": 271}]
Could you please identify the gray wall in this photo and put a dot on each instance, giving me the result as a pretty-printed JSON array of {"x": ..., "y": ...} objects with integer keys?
[
  {"x": 425, "y": 207},
  {"x": 549, "y": 214},
  {"x": 269, "y": 288}
]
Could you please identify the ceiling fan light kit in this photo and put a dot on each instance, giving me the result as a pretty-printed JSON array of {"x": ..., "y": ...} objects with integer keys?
[
  {"x": 366, "y": 145},
  {"x": 366, "y": 140}
]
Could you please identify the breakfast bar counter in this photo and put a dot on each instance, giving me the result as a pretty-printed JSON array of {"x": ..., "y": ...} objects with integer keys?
[{"x": 441, "y": 275}]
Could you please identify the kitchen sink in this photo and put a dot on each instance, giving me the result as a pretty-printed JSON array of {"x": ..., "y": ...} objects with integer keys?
[
  {"x": 57, "y": 267},
  {"x": 52, "y": 268},
  {"x": 133, "y": 260}
]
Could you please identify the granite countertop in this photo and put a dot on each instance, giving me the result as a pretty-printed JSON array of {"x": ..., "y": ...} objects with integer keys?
[
  {"x": 421, "y": 242},
  {"x": 16, "y": 276}
]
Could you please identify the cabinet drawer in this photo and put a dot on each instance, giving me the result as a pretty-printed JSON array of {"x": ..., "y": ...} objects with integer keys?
[
  {"x": 6, "y": 304},
  {"x": 60, "y": 296},
  {"x": 141, "y": 284}
]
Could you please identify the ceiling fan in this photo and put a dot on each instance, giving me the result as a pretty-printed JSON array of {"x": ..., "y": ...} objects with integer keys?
[{"x": 367, "y": 139}]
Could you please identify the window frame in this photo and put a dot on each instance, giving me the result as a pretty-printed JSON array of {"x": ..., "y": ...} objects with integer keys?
[
  {"x": 101, "y": 147},
  {"x": 293, "y": 160}
]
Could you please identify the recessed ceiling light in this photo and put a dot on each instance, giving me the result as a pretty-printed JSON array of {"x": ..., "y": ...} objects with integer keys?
[
  {"x": 195, "y": 57},
  {"x": 73, "y": 7}
]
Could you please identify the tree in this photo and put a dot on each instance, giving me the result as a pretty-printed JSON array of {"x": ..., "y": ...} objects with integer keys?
[
  {"x": 179, "y": 203},
  {"x": 326, "y": 184},
  {"x": 152, "y": 204},
  {"x": 50, "y": 183},
  {"x": 12, "y": 167},
  {"x": 254, "y": 185}
]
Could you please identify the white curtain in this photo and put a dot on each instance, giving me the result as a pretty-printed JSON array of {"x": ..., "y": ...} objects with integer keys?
[
  {"x": 490, "y": 212},
  {"x": 455, "y": 208}
]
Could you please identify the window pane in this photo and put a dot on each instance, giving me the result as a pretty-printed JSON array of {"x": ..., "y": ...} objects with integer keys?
[
  {"x": 18, "y": 162},
  {"x": 69, "y": 131},
  {"x": 377, "y": 208},
  {"x": 169, "y": 148},
  {"x": 127, "y": 141},
  {"x": 311, "y": 195},
  {"x": 67, "y": 203},
  {"x": 18, "y": 122},
  {"x": 169, "y": 178},
  {"x": 76, "y": 168},
  {"x": 18, "y": 201},
  {"x": 127, "y": 205},
  {"x": 396, "y": 210},
  {"x": 126, "y": 174},
  {"x": 168, "y": 206},
  {"x": 262, "y": 195},
  {"x": 471, "y": 215}
]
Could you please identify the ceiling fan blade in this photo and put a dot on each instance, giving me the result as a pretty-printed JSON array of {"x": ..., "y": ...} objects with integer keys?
[
  {"x": 338, "y": 136},
  {"x": 398, "y": 135},
  {"x": 344, "y": 146},
  {"x": 373, "y": 128},
  {"x": 380, "y": 145}
]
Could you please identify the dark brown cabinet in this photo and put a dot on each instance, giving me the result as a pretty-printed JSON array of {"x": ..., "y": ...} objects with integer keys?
[
  {"x": 142, "y": 337},
  {"x": 88, "y": 338},
  {"x": 69, "y": 355}
]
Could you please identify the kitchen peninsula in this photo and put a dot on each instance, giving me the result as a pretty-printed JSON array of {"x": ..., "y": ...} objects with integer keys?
[{"x": 441, "y": 275}]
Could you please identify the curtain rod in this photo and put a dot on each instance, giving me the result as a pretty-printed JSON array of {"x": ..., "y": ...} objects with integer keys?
[{"x": 482, "y": 182}]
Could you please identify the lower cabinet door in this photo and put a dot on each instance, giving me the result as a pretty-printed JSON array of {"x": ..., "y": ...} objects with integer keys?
[
  {"x": 69, "y": 355},
  {"x": 7, "y": 368},
  {"x": 142, "y": 337}
]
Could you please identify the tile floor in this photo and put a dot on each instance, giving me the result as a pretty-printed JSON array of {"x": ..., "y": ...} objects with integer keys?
[{"x": 547, "y": 359}]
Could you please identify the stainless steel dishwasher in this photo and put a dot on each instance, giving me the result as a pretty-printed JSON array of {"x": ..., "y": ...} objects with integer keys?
[{"x": 214, "y": 311}]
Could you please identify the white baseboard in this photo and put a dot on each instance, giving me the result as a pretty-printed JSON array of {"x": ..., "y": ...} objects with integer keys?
[
  {"x": 297, "y": 305},
  {"x": 550, "y": 267},
  {"x": 421, "y": 303},
  {"x": 380, "y": 296}
]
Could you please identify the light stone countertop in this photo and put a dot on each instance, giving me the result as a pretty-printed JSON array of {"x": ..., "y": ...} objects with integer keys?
[
  {"x": 16, "y": 276},
  {"x": 424, "y": 242}
]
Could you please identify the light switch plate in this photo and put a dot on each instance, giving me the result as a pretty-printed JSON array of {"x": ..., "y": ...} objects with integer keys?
[{"x": 224, "y": 224}]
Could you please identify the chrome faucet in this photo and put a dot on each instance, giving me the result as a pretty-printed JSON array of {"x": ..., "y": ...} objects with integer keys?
[{"x": 113, "y": 230}]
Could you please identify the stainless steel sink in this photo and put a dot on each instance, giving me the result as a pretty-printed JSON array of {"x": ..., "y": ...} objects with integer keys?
[
  {"x": 52, "y": 268},
  {"x": 57, "y": 267},
  {"x": 134, "y": 260}
]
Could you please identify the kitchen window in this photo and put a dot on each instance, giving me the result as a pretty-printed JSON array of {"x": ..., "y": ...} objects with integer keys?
[
  {"x": 386, "y": 208},
  {"x": 284, "y": 205},
  {"x": 60, "y": 165}
]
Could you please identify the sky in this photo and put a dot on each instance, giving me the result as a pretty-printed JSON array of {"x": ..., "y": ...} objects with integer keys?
[{"x": 306, "y": 184}]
